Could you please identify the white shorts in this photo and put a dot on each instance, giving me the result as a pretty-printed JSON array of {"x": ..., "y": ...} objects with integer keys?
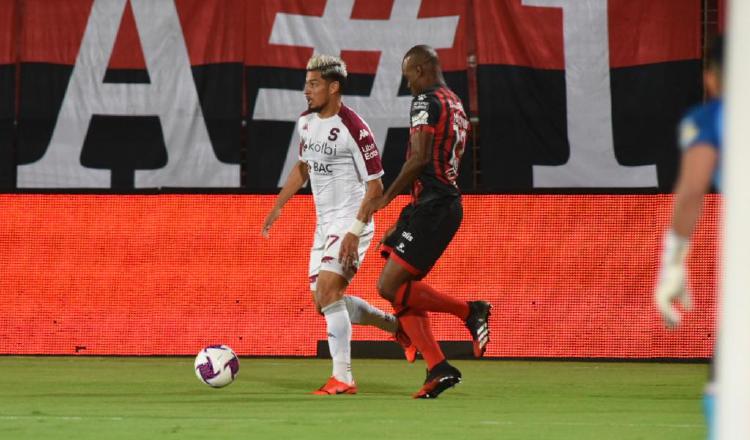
[{"x": 324, "y": 254}]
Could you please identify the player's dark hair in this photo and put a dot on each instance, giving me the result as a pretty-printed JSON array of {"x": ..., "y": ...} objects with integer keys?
[
  {"x": 334, "y": 75},
  {"x": 715, "y": 53},
  {"x": 331, "y": 69},
  {"x": 424, "y": 54}
]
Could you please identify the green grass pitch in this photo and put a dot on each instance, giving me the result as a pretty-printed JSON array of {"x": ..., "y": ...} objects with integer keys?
[{"x": 154, "y": 398}]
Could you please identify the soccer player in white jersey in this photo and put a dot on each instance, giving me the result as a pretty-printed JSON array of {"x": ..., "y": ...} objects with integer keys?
[{"x": 337, "y": 153}]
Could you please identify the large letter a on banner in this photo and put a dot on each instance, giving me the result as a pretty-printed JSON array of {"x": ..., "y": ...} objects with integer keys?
[{"x": 171, "y": 95}]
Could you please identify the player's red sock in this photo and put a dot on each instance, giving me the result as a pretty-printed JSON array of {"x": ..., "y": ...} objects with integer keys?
[
  {"x": 416, "y": 324},
  {"x": 421, "y": 296}
]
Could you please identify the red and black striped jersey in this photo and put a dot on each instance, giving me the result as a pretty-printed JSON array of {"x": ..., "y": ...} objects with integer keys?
[{"x": 439, "y": 111}]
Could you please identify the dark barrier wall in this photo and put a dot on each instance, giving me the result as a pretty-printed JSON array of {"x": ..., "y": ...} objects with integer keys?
[
  {"x": 205, "y": 93},
  {"x": 569, "y": 276}
]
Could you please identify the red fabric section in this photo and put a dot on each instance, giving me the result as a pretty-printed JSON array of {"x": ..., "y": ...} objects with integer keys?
[
  {"x": 51, "y": 32},
  {"x": 259, "y": 52},
  {"x": 647, "y": 32},
  {"x": 215, "y": 29},
  {"x": 722, "y": 15},
  {"x": 127, "y": 52},
  {"x": 568, "y": 276},
  {"x": 213, "y": 32},
  {"x": 640, "y": 32},
  {"x": 509, "y": 33},
  {"x": 7, "y": 31},
  {"x": 424, "y": 297}
]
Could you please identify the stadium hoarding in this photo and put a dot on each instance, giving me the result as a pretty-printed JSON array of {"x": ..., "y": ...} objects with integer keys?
[{"x": 167, "y": 274}]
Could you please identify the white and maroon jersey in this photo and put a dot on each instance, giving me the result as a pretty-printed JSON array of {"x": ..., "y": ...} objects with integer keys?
[{"x": 341, "y": 156}]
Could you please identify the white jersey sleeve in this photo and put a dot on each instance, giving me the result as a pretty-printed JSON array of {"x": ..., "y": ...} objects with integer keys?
[{"x": 363, "y": 146}]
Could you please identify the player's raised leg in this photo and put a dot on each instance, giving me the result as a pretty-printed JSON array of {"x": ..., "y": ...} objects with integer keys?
[{"x": 363, "y": 313}]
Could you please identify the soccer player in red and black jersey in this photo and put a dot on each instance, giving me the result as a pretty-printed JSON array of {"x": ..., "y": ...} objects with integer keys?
[{"x": 426, "y": 226}]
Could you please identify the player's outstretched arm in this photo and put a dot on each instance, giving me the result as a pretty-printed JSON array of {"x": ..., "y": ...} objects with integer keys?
[
  {"x": 349, "y": 251},
  {"x": 296, "y": 180},
  {"x": 696, "y": 170},
  {"x": 421, "y": 155},
  {"x": 421, "y": 140}
]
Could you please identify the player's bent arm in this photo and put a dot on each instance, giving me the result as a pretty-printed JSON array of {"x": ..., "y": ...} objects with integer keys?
[
  {"x": 364, "y": 215},
  {"x": 296, "y": 180},
  {"x": 374, "y": 190},
  {"x": 421, "y": 141},
  {"x": 696, "y": 170}
]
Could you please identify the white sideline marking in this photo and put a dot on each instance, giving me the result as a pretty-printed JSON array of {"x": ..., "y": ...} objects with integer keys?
[
  {"x": 42, "y": 417},
  {"x": 256, "y": 419},
  {"x": 615, "y": 425}
]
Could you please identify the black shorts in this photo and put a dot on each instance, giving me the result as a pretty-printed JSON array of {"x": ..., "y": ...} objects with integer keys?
[{"x": 422, "y": 234}]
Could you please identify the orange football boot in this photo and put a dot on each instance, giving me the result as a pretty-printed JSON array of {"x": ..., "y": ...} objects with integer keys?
[{"x": 334, "y": 386}]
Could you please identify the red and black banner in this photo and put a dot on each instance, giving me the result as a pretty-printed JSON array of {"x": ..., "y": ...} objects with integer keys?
[
  {"x": 121, "y": 94},
  {"x": 372, "y": 37},
  {"x": 585, "y": 93},
  {"x": 7, "y": 91}
]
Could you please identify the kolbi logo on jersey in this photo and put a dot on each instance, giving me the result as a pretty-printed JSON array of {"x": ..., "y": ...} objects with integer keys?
[{"x": 324, "y": 148}]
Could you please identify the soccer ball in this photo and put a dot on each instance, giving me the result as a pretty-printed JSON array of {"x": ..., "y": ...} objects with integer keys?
[{"x": 217, "y": 366}]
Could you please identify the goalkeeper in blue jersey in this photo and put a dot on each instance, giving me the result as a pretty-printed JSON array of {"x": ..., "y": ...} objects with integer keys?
[{"x": 700, "y": 136}]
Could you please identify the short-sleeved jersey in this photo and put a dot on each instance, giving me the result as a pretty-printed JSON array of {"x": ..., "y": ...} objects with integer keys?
[
  {"x": 441, "y": 112},
  {"x": 703, "y": 124},
  {"x": 341, "y": 156}
]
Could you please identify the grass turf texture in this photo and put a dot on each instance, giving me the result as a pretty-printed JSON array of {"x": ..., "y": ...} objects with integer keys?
[{"x": 146, "y": 398}]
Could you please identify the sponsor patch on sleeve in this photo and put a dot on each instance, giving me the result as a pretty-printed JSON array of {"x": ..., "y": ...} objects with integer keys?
[{"x": 420, "y": 118}]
